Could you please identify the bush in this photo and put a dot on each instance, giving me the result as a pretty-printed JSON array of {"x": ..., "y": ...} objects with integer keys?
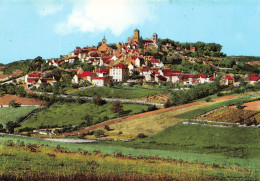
[
  {"x": 152, "y": 108},
  {"x": 107, "y": 128},
  {"x": 117, "y": 107},
  {"x": 99, "y": 101},
  {"x": 14, "y": 104},
  {"x": 239, "y": 105},
  {"x": 141, "y": 135},
  {"x": 99, "y": 133},
  {"x": 208, "y": 99},
  {"x": 219, "y": 94}
]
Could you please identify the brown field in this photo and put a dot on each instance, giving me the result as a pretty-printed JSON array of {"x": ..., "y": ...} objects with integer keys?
[
  {"x": 5, "y": 100},
  {"x": 14, "y": 74},
  {"x": 254, "y": 106},
  {"x": 255, "y": 63},
  {"x": 157, "y": 98}
]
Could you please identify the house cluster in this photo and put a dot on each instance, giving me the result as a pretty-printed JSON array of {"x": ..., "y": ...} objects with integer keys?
[
  {"x": 125, "y": 64},
  {"x": 36, "y": 79}
]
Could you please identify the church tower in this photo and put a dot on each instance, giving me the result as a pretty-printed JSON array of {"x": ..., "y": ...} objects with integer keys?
[
  {"x": 136, "y": 35},
  {"x": 155, "y": 38}
]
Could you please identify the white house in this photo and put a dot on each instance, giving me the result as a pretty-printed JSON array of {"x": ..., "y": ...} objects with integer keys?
[
  {"x": 252, "y": 78},
  {"x": 80, "y": 78},
  {"x": 100, "y": 81},
  {"x": 202, "y": 78},
  {"x": 119, "y": 73},
  {"x": 131, "y": 68}
]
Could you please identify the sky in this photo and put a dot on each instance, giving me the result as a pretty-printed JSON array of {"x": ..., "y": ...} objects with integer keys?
[{"x": 50, "y": 28}]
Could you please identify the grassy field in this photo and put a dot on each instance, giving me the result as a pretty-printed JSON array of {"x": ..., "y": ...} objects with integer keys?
[
  {"x": 13, "y": 114},
  {"x": 127, "y": 93},
  {"x": 74, "y": 114},
  {"x": 45, "y": 160},
  {"x": 154, "y": 123},
  {"x": 229, "y": 142}
]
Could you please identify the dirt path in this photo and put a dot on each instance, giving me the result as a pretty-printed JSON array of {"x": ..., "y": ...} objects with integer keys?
[{"x": 110, "y": 122}]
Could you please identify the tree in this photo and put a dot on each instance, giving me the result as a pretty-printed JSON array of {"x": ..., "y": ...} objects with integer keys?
[
  {"x": 2, "y": 128},
  {"x": 99, "y": 133},
  {"x": 99, "y": 101},
  {"x": 117, "y": 107},
  {"x": 14, "y": 104},
  {"x": 20, "y": 91},
  {"x": 10, "y": 126}
]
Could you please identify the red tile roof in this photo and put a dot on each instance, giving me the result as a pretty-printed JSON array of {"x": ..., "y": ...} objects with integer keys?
[
  {"x": 211, "y": 78},
  {"x": 156, "y": 72},
  {"x": 85, "y": 74},
  {"x": 153, "y": 60},
  {"x": 202, "y": 76},
  {"x": 121, "y": 66},
  {"x": 162, "y": 78},
  {"x": 253, "y": 77},
  {"x": 192, "y": 76},
  {"x": 229, "y": 77},
  {"x": 32, "y": 80},
  {"x": 99, "y": 78},
  {"x": 33, "y": 75}
]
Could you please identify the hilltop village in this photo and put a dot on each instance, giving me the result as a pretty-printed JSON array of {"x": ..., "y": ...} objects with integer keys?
[
  {"x": 152, "y": 61},
  {"x": 126, "y": 63}
]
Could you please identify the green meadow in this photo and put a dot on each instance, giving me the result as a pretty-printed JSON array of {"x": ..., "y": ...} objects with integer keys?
[
  {"x": 64, "y": 114},
  {"x": 13, "y": 114},
  {"x": 127, "y": 93}
]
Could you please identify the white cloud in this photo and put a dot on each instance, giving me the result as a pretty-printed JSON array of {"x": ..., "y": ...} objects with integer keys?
[{"x": 100, "y": 15}]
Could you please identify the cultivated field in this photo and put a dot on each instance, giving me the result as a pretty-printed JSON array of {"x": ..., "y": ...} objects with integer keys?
[
  {"x": 5, "y": 100},
  {"x": 254, "y": 106},
  {"x": 155, "y": 121},
  {"x": 232, "y": 115}
]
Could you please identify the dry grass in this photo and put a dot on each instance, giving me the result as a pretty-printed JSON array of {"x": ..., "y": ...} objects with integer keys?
[{"x": 149, "y": 124}]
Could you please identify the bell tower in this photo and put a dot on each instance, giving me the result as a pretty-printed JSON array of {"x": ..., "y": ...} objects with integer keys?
[{"x": 136, "y": 35}]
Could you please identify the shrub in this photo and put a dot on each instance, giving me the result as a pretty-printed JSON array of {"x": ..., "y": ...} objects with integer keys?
[
  {"x": 14, "y": 104},
  {"x": 117, "y": 107},
  {"x": 107, "y": 128},
  {"x": 219, "y": 94},
  {"x": 239, "y": 105},
  {"x": 99, "y": 133},
  {"x": 141, "y": 135},
  {"x": 99, "y": 101},
  {"x": 152, "y": 108},
  {"x": 208, "y": 99}
]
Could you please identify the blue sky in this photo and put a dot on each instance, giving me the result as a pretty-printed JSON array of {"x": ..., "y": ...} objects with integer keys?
[{"x": 50, "y": 28}]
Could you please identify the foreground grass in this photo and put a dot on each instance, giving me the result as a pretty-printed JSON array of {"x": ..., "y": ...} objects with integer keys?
[
  {"x": 27, "y": 160},
  {"x": 64, "y": 114},
  {"x": 117, "y": 92},
  {"x": 13, "y": 114}
]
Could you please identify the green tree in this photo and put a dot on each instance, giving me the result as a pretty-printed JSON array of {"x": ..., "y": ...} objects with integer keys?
[
  {"x": 14, "y": 104},
  {"x": 10, "y": 126},
  {"x": 20, "y": 91}
]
